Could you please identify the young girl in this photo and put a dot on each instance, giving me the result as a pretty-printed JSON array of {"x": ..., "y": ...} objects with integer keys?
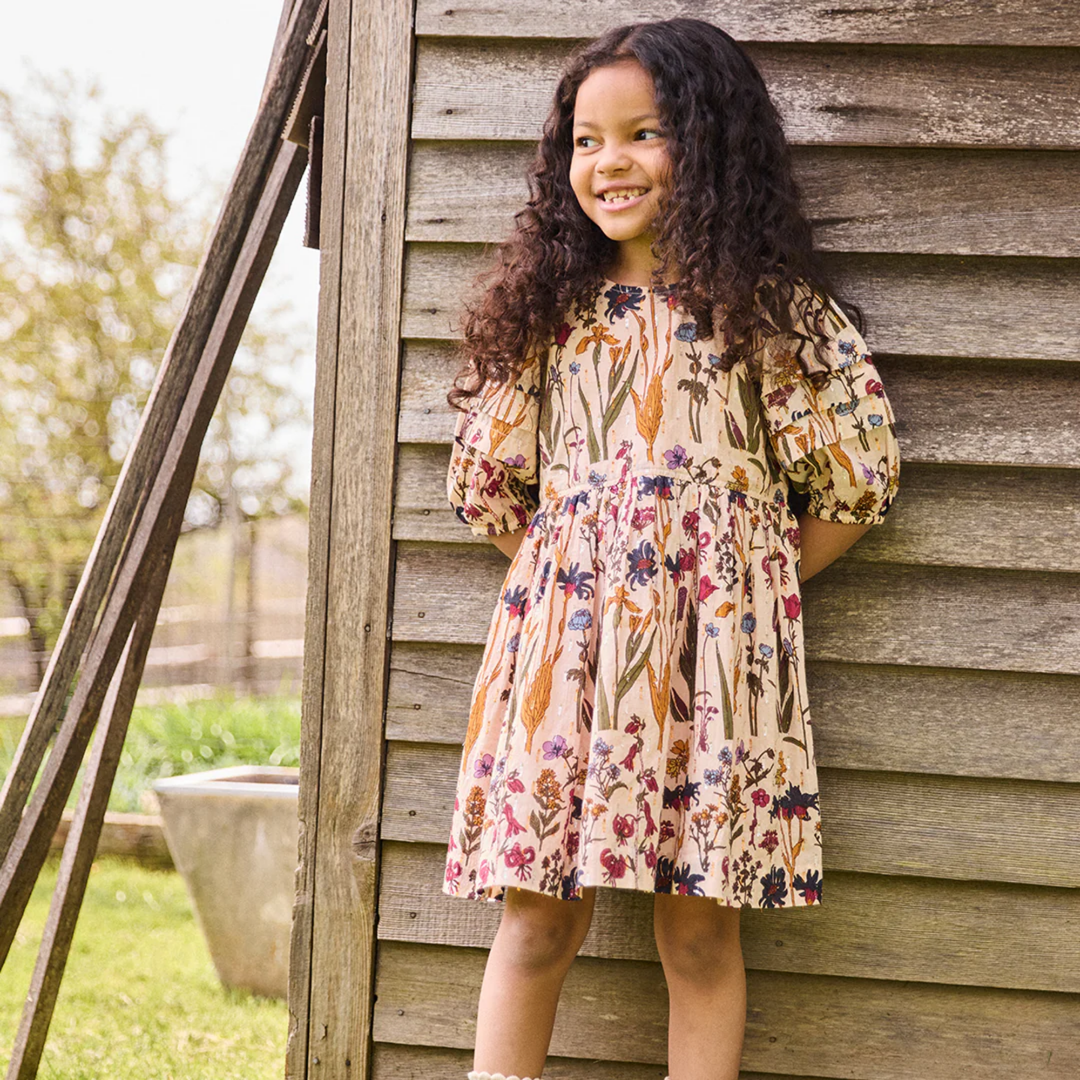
[{"x": 673, "y": 424}]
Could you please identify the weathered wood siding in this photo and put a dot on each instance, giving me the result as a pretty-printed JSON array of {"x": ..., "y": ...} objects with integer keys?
[{"x": 938, "y": 148}]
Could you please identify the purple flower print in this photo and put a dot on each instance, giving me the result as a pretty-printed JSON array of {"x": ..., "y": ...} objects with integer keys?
[
  {"x": 484, "y": 765},
  {"x": 774, "y": 888},
  {"x": 675, "y": 458},
  {"x": 642, "y": 564},
  {"x": 621, "y": 299},
  {"x": 517, "y": 461},
  {"x": 554, "y": 748}
]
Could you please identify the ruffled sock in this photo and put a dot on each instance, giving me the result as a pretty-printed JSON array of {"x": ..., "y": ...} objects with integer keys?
[{"x": 475, "y": 1075}]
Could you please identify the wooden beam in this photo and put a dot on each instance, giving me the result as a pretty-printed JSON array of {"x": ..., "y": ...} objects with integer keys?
[
  {"x": 172, "y": 389},
  {"x": 81, "y": 846},
  {"x": 345, "y": 678},
  {"x": 902, "y": 22},
  {"x": 152, "y": 533}
]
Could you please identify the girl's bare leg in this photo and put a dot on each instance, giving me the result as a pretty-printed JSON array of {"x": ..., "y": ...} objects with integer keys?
[
  {"x": 537, "y": 940},
  {"x": 701, "y": 951}
]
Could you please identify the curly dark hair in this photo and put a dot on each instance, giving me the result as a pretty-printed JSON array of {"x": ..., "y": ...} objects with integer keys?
[{"x": 731, "y": 222}]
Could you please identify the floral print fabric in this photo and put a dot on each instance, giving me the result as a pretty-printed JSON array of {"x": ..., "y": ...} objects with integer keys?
[{"x": 639, "y": 719}]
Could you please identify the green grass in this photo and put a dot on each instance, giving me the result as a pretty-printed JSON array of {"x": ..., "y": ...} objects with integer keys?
[
  {"x": 168, "y": 740},
  {"x": 140, "y": 997}
]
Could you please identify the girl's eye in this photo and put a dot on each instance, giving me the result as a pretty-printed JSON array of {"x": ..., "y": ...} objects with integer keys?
[
  {"x": 651, "y": 131},
  {"x": 581, "y": 140}
]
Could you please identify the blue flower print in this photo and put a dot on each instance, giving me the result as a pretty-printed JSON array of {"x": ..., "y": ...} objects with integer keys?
[
  {"x": 765, "y": 650},
  {"x": 575, "y": 367},
  {"x": 774, "y": 888},
  {"x": 748, "y": 623},
  {"x": 513, "y": 644},
  {"x": 514, "y": 601},
  {"x": 660, "y": 486},
  {"x": 725, "y": 755},
  {"x": 712, "y": 629},
  {"x": 809, "y": 886},
  {"x": 876, "y": 419},
  {"x": 642, "y": 564},
  {"x": 621, "y": 299},
  {"x": 714, "y": 360},
  {"x": 580, "y": 620},
  {"x": 846, "y": 407},
  {"x": 687, "y": 332}
]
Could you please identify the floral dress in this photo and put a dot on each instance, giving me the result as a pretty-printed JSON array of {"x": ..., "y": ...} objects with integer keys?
[{"x": 640, "y": 718}]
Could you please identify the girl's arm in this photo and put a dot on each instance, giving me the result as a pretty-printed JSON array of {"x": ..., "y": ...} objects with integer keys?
[
  {"x": 509, "y": 542},
  {"x": 821, "y": 542}
]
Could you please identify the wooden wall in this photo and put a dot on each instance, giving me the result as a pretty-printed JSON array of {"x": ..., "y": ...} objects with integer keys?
[{"x": 938, "y": 148}]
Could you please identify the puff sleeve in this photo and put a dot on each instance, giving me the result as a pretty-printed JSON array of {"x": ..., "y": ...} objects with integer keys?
[
  {"x": 837, "y": 445},
  {"x": 493, "y": 479}
]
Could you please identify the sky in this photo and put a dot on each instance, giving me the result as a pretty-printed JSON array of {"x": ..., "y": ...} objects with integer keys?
[{"x": 197, "y": 71}]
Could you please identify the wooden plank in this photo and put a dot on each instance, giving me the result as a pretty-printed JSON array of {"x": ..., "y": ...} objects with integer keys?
[
  {"x": 193, "y": 336},
  {"x": 331, "y": 204},
  {"x": 358, "y": 575},
  {"x": 915, "y": 305},
  {"x": 394, "y": 1061},
  {"x": 960, "y": 828},
  {"x": 1019, "y": 515},
  {"x": 855, "y": 95},
  {"x": 82, "y": 842},
  {"x": 869, "y": 926},
  {"x": 959, "y": 22},
  {"x": 152, "y": 533},
  {"x": 867, "y": 198},
  {"x": 616, "y": 1010},
  {"x": 867, "y": 716},
  {"x": 962, "y": 617},
  {"x": 134, "y": 836},
  {"x": 942, "y": 406}
]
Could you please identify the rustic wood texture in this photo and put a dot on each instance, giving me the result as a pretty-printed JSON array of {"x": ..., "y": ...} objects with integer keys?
[
  {"x": 942, "y": 406},
  {"x": 153, "y": 532},
  {"x": 917, "y": 305},
  {"x": 132, "y": 836},
  {"x": 962, "y": 617},
  {"x": 818, "y": 1024},
  {"x": 192, "y": 338},
  {"x": 352, "y": 615},
  {"x": 80, "y": 849},
  {"x": 961, "y": 828},
  {"x": 868, "y": 926},
  {"x": 396, "y": 1061},
  {"x": 1013, "y": 725},
  {"x": 331, "y": 208},
  {"x": 898, "y": 200},
  {"x": 1020, "y": 516},
  {"x": 855, "y": 94},
  {"x": 907, "y": 22}
]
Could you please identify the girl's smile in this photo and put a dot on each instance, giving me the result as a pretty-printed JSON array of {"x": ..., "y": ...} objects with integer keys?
[{"x": 620, "y": 162}]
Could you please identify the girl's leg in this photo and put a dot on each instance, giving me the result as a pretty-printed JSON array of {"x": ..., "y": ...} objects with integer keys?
[
  {"x": 537, "y": 940},
  {"x": 700, "y": 949}
]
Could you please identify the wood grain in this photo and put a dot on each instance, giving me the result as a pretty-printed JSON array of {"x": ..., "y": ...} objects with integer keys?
[
  {"x": 395, "y": 1061},
  {"x": 1002, "y": 724},
  {"x": 370, "y": 178},
  {"x": 959, "y": 22},
  {"x": 616, "y": 1010},
  {"x": 854, "y": 611},
  {"x": 869, "y": 926},
  {"x": 960, "y": 828},
  {"x": 851, "y": 94},
  {"x": 1020, "y": 517},
  {"x": 899, "y": 200},
  {"x": 915, "y": 305}
]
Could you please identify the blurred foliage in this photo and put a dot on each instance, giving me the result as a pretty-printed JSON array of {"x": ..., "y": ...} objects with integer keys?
[
  {"x": 191, "y": 736},
  {"x": 88, "y": 300}
]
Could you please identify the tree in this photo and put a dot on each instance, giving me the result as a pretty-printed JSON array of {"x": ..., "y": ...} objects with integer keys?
[{"x": 88, "y": 301}]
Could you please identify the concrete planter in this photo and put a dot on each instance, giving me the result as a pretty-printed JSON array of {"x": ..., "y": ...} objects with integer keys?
[{"x": 233, "y": 836}]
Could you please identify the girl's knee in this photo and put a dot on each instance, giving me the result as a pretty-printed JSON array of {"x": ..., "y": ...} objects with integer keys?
[
  {"x": 696, "y": 938},
  {"x": 541, "y": 931}
]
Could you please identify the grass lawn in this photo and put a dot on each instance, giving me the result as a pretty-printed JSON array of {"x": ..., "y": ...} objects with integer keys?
[{"x": 140, "y": 997}]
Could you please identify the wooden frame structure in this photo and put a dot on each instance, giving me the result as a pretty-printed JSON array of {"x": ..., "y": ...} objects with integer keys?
[{"x": 943, "y": 701}]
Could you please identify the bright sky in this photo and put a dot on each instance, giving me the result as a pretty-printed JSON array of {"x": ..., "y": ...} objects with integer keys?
[{"x": 197, "y": 70}]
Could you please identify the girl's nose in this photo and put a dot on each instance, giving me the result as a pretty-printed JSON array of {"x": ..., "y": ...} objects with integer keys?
[{"x": 613, "y": 156}]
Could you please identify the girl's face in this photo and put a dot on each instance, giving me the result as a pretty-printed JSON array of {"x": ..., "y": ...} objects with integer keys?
[{"x": 620, "y": 165}]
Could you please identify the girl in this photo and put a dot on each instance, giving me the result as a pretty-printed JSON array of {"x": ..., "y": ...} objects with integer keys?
[{"x": 674, "y": 423}]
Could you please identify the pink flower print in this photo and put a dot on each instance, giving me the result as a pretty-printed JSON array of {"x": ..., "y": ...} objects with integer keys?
[
  {"x": 513, "y": 783},
  {"x": 650, "y": 858},
  {"x": 515, "y": 826},
  {"x": 760, "y": 797},
  {"x": 792, "y": 606},
  {"x": 521, "y": 860},
  {"x": 453, "y": 871},
  {"x": 614, "y": 865},
  {"x": 706, "y": 588},
  {"x": 650, "y": 825},
  {"x": 623, "y": 826},
  {"x": 690, "y": 522},
  {"x": 562, "y": 335},
  {"x": 628, "y": 761},
  {"x": 770, "y": 841}
]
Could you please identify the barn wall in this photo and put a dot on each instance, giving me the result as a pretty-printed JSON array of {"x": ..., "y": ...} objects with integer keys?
[{"x": 938, "y": 153}]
